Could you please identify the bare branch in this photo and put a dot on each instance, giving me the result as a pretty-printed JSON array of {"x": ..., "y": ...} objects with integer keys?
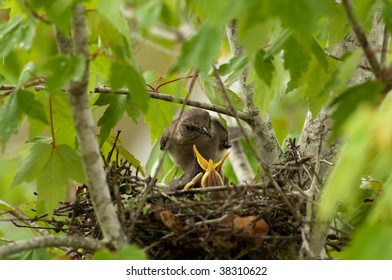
[
  {"x": 366, "y": 68},
  {"x": 385, "y": 44},
  {"x": 266, "y": 140},
  {"x": 359, "y": 32},
  {"x": 156, "y": 95},
  {"x": 50, "y": 241},
  {"x": 85, "y": 129}
]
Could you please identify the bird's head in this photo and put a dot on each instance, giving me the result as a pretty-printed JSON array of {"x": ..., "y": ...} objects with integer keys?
[{"x": 195, "y": 123}]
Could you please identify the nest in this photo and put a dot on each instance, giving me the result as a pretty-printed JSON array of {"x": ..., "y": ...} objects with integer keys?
[
  {"x": 242, "y": 222},
  {"x": 261, "y": 221}
]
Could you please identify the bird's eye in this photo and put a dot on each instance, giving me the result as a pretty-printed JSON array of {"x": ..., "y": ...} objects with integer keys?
[{"x": 190, "y": 128}]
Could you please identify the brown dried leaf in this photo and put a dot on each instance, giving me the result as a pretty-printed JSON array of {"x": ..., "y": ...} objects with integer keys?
[{"x": 170, "y": 220}]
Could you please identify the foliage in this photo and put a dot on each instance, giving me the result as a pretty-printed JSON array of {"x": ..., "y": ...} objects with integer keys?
[{"x": 286, "y": 52}]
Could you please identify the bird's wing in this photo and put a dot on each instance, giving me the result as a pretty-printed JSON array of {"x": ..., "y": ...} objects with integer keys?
[{"x": 165, "y": 137}]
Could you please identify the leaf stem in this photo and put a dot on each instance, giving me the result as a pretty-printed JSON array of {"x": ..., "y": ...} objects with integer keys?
[{"x": 51, "y": 122}]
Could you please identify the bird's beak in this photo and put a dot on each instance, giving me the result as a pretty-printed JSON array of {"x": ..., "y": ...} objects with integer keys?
[{"x": 205, "y": 131}]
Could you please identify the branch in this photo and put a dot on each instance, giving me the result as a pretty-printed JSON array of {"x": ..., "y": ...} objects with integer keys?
[
  {"x": 266, "y": 140},
  {"x": 85, "y": 129},
  {"x": 363, "y": 67},
  {"x": 156, "y": 95},
  {"x": 50, "y": 241},
  {"x": 385, "y": 44},
  {"x": 179, "y": 100},
  {"x": 316, "y": 131},
  {"x": 314, "y": 142},
  {"x": 240, "y": 163},
  {"x": 359, "y": 32}
]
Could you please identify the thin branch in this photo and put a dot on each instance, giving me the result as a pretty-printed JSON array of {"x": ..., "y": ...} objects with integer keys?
[
  {"x": 363, "y": 41},
  {"x": 64, "y": 42},
  {"x": 385, "y": 44},
  {"x": 366, "y": 68},
  {"x": 50, "y": 241},
  {"x": 266, "y": 141},
  {"x": 85, "y": 129},
  {"x": 156, "y": 95},
  {"x": 237, "y": 148},
  {"x": 51, "y": 122},
  {"x": 149, "y": 186},
  {"x": 174, "y": 99},
  {"x": 12, "y": 88},
  {"x": 35, "y": 14}
]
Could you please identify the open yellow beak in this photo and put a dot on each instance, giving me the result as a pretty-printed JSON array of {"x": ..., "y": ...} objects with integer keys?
[{"x": 212, "y": 171}]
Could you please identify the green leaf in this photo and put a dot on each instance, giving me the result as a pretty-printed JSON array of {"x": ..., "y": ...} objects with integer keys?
[
  {"x": 148, "y": 13},
  {"x": 125, "y": 75},
  {"x": 370, "y": 242},
  {"x": 337, "y": 27},
  {"x": 52, "y": 167},
  {"x": 62, "y": 69},
  {"x": 167, "y": 172},
  {"x": 264, "y": 67},
  {"x": 277, "y": 44},
  {"x": 218, "y": 12},
  {"x": 264, "y": 93},
  {"x": 216, "y": 97},
  {"x": 64, "y": 128},
  {"x": 131, "y": 159},
  {"x": 171, "y": 13},
  {"x": 59, "y": 12},
  {"x": 16, "y": 33},
  {"x": 113, "y": 113},
  {"x": 338, "y": 81},
  {"x": 52, "y": 183},
  {"x": 343, "y": 186},
  {"x": 160, "y": 114},
  {"x": 234, "y": 68},
  {"x": 365, "y": 11},
  {"x": 111, "y": 11},
  {"x": 27, "y": 73},
  {"x": 301, "y": 17},
  {"x": 31, "y": 106},
  {"x": 350, "y": 100},
  {"x": 296, "y": 60},
  {"x": 387, "y": 14},
  {"x": 319, "y": 53},
  {"x": 11, "y": 117},
  {"x": 99, "y": 67},
  {"x": 73, "y": 166},
  {"x": 4, "y": 206},
  {"x": 258, "y": 34},
  {"x": 33, "y": 164},
  {"x": 200, "y": 50},
  {"x": 314, "y": 82}
]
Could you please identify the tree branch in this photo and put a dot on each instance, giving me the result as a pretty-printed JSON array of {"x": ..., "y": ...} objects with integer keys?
[
  {"x": 174, "y": 99},
  {"x": 208, "y": 106},
  {"x": 85, "y": 129},
  {"x": 50, "y": 241},
  {"x": 358, "y": 30},
  {"x": 156, "y": 95},
  {"x": 320, "y": 127},
  {"x": 266, "y": 140},
  {"x": 385, "y": 44}
]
